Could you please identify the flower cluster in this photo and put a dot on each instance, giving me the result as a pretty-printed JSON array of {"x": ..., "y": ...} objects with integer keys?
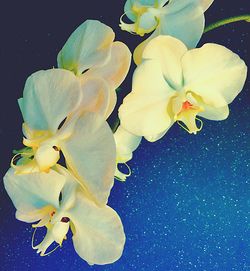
[
  {"x": 63, "y": 176},
  {"x": 65, "y": 111}
]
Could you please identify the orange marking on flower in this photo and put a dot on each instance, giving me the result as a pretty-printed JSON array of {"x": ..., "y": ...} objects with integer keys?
[{"x": 186, "y": 105}]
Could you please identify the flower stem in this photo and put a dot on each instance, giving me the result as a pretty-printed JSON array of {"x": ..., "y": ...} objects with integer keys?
[{"x": 245, "y": 17}]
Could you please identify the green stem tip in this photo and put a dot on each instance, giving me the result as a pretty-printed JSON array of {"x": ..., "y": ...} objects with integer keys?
[{"x": 245, "y": 17}]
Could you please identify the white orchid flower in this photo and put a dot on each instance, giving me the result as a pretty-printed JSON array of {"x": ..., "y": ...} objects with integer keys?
[
  {"x": 181, "y": 19},
  {"x": 53, "y": 125},
  {"x": 100, "y": 64},
  {"x": 58, "y": 203},
  {"x": 176, "y": 84},
  {"x": 126, "y": 144}
]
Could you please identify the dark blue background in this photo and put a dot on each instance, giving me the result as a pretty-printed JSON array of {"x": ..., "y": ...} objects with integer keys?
[{"x": 187, "y": 205}]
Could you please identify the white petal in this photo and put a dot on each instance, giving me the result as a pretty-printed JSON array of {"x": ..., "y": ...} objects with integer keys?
[
  {"x": 30, "y": 192},
  {"x": 144, "y": 110},
  {"x": 126, "y": 143},
  {"x": 98, "y": 235},
  {"x": 96, "y": 95},
  {"x": 88, "y": 46},
  {"x": 215, "y": 73},
  {"x": 183, "y": 20},
  {"x": 137, "y": 55},
  {"x": 115, "y": 70},
  {"x": 30, "y": 217},
  {"x": 168, "y": 51},
  {"x": 155, "y": 137},
  {"x": 213, "y": 113},
  {"x": 90, "y": 154},
  {"x": 49, "y": 97},
  {"x": 206, "y": 4},
  {"x": 112, "y": 103},
  {"x": 68, "y": 193}
]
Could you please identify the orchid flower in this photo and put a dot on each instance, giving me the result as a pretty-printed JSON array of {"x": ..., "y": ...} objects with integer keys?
[
  {"x": 174, "y": 84},
  {"x": 126, "y": 144},
  {"x": 58, "y": 203},
  {"x": 181, "y": 19},
  {"x": 100, "y": 64},
  {"x": 54, "y": 125}
]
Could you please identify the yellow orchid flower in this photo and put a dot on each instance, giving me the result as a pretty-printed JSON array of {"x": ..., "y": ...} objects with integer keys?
[
  {"x": 54, "y": 125},
  {"x": 181, "y": 19},
  {"x": 174, "y": 84},
  {"x": 100, "y": 64},
  {"x": 58, "y": 203},
  {"x": 126, "y": 144}
]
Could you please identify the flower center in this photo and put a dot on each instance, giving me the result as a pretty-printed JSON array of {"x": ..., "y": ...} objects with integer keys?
[
  {"x": 187, "y": 115},
  {"x": 40, "y": 154},
  {"x": 56, "y": 232},
  {"x": 185, "y": 107},
  {"x": 146, "y": 19}
]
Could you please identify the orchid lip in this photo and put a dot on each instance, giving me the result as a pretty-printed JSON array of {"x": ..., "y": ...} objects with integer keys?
[
  {"x": 55, "y": 230},
  {"x": 187, "y": 115}
]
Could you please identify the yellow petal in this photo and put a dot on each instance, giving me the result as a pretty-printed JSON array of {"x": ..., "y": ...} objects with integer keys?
[{"x": 214, "y": 73}]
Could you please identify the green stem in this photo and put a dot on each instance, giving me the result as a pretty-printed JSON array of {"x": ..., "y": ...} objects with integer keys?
[{"x": 245, "y": 17}]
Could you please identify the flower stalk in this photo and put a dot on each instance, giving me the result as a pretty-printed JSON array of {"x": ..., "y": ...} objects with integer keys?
[{"x": 245, "y": 17}]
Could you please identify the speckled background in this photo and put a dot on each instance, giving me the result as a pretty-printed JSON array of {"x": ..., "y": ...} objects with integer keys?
[{"x": 186, "y": 206}]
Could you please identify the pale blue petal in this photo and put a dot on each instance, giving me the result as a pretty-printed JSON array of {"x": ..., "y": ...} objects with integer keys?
[
  {"x": 183, "y": 20},
  {"x": 88, "y": 46},
  {"x": 147, "y": 22},
  {"x": 129, "y": 4},
  {"x": 48, "y": 98}
]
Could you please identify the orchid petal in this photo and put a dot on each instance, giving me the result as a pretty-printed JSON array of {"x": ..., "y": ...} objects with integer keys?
[
  {"x": 183, "y": 20},
  {"x": 126, "y": 143},
  {"x": 68, "y": 193},
  {"x": 115, "y": 70},
  {"x": 31, "y": 216},
  {"x": 90, "y": 154},
  {"x": 214, "y": 113},
  {"x": 88, "y": 46},
  {"x": 168, "y": 51},
  {"x": 144, "y": 110},
  {"x": 30, "y": 192},
  {"x": 206, "y": 4},
  {"x": 215, "y": 73},
  {"x": 112, "y": 103},
  {"x": 155, "y": 137},
  {"x": 96, "y": 95},
  {"x": 48, "y": 98},
  {"x": 98, "y": 234},
  {"x": 137, "y": 55}
]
